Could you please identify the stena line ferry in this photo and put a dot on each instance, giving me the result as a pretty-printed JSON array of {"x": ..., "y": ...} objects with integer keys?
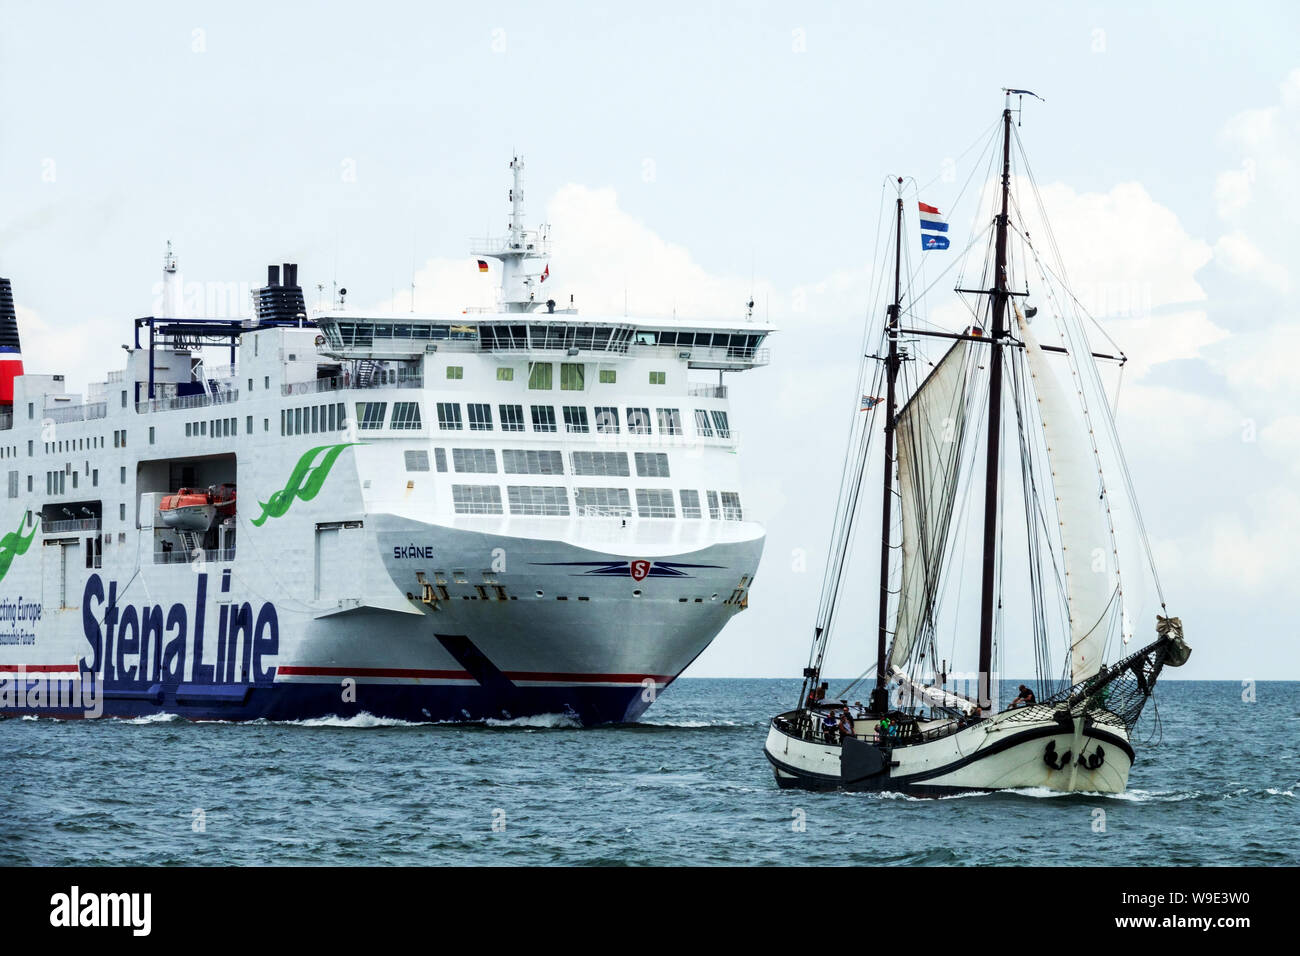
[{"x": 488, "y": 515}]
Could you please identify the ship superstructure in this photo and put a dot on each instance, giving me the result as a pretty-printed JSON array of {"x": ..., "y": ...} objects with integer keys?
[{"x": 424, "y": 517}]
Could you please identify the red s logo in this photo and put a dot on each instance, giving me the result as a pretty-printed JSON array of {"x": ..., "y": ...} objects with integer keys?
[{"x": 639, "y": 570}]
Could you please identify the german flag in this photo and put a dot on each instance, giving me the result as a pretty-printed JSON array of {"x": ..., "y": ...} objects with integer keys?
[{"x": 482, "y": 266}]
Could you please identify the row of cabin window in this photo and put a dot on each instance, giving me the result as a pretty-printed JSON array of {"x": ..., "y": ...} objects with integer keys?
[
  {"x": 604, "y": 418},
  {"x": 541, "y": 376},
  {"x": 212, "y": 427},
  {"x": 318, "y": 418},
  {"x": 553, "y": 500},
  {"x": 541, "y": 461},
  {"x": 72, "y": 444}
]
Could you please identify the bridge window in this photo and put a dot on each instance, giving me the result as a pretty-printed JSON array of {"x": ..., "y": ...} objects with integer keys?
[
  {"x": 369, "y": 415},
  {"x": 572, "y": 376},
  {"x": 600, "y": 463},
  {"x": 505, "y": 374},
  {"x": 543, "y": 418},
  {"x": 448, "y": 416},
  {"x": 512, "y": 418},
  {"x": 455, "y": 372},
  {"x": 476, "y": 499},
  {"x": 670, "y": 421},
  {"x": 608, "y": 376},
  {"x": 655, "y": 503},
  {"x": 539, "y": 376},
  {"x": 518, "y": 461},
  {"x": 702, "y": 426},
  {"x": 715, "y": 512},
  {"x": 603, "y": 502},
  {"x": 440, "y": 458},
  {"x": 417, "y": 459},
  {"x": 480, "y": 416},
  {"x": 575, "y": 419},
  {"x": 638, "y": 421},
  {"x": 652, "y": 464},
  {"x": 478, "y": 460},
  {"x": 606, "y": 420},
  {"x": 690, "y": 503},
  {"x": 731, "y": 506},
  {"x": 405, "y": 415},
  {"x": 538, "y": 500},
  {"x": 658, "y": 378},
  {"x": 720, "y": 421}
]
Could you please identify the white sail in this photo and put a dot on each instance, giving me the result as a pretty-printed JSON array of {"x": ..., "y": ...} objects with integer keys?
[
  {"x": 1088, "y": 549},
  {"x": 928, "y": 435}
]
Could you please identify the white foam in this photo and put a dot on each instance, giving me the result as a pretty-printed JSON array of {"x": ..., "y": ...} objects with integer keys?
[
  {"x": 152, "y": 719},
  {"x": 537, "y": 721}
]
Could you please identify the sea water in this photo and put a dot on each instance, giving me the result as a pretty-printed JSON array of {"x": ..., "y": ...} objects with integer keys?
[{"x": 1218, "y": 783}]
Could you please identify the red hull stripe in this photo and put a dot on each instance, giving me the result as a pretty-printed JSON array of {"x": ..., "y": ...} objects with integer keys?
[
  {"x": 301, "y": 671},
  {"x": 40, "y": 668}
]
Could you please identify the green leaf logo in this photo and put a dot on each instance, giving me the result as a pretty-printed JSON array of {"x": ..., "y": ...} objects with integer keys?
[
  {"x": 15, "y": 543},
  {"x": 304, "y": 482}
]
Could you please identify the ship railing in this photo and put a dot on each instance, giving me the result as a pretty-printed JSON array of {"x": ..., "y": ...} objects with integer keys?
[
  {"x": 76, "y": 413},
  {"x": 225, "y": 394},
  {"x": 707, "y": 391},
  {"x": 70, "y": 524},
  {"x": 181, "y": 556},
  {"x": 596, "y": 511},
  {"x": 116, "y": 377},
  {"x": 339, "y": 383}
]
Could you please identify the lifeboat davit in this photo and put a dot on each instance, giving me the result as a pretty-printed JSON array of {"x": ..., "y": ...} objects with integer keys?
[{"x": 188, "y": 510}]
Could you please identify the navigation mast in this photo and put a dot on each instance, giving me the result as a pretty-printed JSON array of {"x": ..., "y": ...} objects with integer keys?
[{"x": 515, "y": 249}]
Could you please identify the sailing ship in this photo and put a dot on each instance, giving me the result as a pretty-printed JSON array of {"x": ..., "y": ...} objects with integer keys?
[{"x": 922, "y": 731}]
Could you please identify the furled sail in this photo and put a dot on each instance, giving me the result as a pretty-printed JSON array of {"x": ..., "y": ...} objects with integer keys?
[
  {"x": 929, "y": 433},
  {"x": 1088, "y": 549}
]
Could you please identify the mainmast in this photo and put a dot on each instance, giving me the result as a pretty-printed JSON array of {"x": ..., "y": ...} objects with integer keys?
[
  {"x": 1000, "y": 293},
  {"x": 880, "y": 695}
]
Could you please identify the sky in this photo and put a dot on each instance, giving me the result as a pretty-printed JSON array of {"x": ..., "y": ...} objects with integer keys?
[{"x": 688, "y": 156}]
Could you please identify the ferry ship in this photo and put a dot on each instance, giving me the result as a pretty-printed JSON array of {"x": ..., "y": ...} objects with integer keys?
[{"x": 486, "y": 515}]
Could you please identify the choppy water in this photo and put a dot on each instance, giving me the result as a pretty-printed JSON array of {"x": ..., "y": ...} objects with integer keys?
[{"x": 688, "y": 785}]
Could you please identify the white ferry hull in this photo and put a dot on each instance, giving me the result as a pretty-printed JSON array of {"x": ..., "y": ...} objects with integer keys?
[
  {"x": 1001, "y": 753},
  {"x": 563, "y": 630}
]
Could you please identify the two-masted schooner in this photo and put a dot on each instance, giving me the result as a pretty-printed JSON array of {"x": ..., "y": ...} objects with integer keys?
[{"x": 1043, "y": 415}]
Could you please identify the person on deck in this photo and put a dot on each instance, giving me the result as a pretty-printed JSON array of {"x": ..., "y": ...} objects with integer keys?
[
  {"x": 1025, "y": 699},
  {"x": 829, "y": 726},
  {"x": 846, "y": 723}
]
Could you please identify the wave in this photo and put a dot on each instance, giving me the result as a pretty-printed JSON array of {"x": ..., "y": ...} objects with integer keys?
[{"x": 537, "y": 722}]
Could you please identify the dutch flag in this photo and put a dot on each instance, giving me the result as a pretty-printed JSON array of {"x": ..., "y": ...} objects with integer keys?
[{"x": 932, "y": 222}]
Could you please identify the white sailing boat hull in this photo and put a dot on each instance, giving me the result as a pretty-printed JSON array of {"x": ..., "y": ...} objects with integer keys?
[{"x": 1005, "y": 752}]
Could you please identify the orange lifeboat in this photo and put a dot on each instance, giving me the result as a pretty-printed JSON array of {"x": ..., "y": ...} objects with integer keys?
[{"x": 189, "y": 509}]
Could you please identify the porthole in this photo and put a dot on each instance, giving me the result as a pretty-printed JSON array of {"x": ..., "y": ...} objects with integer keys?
[{"x": 636, "y": 593}]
